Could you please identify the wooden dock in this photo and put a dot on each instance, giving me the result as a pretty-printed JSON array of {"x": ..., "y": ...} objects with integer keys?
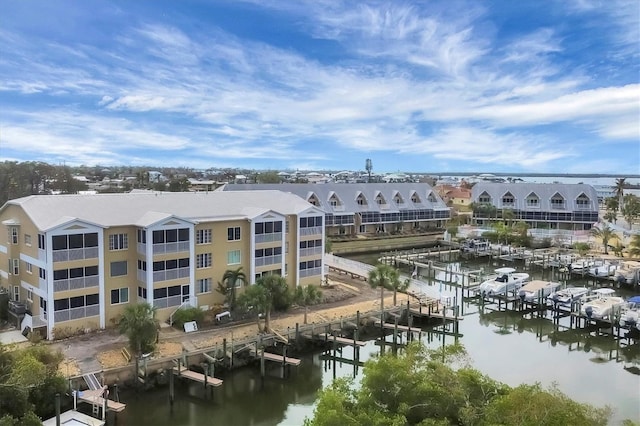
[
  {"x": 435, "y": 315},
  {"x": 95, "y": 397},
  {"x": 341, "y": 340},
  {"x": 275, "y": 357},
  {"x": 196, "y": 377},
  {"x": 391, "y": 326}
]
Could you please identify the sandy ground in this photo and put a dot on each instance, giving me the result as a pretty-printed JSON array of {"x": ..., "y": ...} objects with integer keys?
[{"x": 103, "y": 350}]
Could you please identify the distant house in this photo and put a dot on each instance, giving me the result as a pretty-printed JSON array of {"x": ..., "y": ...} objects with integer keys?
[
  {"x": 541, "y": 205},
  {"x": 197, "y": 185},
  {"x": 453, "y": 195}
]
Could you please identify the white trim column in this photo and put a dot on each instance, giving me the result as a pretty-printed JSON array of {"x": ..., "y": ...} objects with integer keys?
[
  {"x": 192, "y": 266},
  {"x": 297, "y": 265},
  {"x": 283, "y": 242},
  {"x": 49, "y": 278},
  {"x": 149, "y": 260},
  {"x": 101, "y": 274},
  {"x": 252, "y": 252}
]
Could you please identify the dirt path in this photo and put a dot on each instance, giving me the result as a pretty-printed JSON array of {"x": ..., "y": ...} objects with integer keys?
[{"x": 344, "y": 297}]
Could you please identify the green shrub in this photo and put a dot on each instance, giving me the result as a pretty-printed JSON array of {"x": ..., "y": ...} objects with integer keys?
[{"x": 187, "y": 315}]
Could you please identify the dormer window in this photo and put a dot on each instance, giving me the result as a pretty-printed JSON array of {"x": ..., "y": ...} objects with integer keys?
[
  {"x": 557, "y": 202},
  {"x": 415, "y": 198},
  {"x": 397, "y": 198},
  {"x": 508, "y": 200},
  {"x": 583, "y": 202},
  {"x": 313, "y": 199},
  {"x": 533, "y": 200},
  {"x": 361, "y": 200},
  {"x": 432, "y": 198},
  {"x": 484, "y": 198},
  {"x": 380, "y": 199}
]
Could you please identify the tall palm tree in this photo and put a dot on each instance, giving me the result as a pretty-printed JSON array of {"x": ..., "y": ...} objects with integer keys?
[
  {"x": 384, "y": 276},
  {"x": 272, "y": 289},
  {"x": 231, "y": 278},
  {"x": 619, "y": 188},
  {"x": 605, "y": 234},
  {"x": 307, "y": 295},
  {"x": 140, "y": 325}
]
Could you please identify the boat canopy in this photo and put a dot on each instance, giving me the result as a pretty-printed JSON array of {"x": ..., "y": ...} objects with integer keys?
[
  {"x": 505, "y": 271},
  {"x": 634, "y": 299}
]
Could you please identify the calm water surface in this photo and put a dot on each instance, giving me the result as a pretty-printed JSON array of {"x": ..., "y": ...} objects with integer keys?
[{"x": 508, "y": 347}]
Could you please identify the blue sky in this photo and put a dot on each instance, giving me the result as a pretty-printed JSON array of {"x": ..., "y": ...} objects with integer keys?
[{"x": 493, "y": 86}]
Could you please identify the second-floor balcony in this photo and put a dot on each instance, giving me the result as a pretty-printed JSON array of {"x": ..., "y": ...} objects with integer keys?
[
  {"x": 168, "y": 302},
  {"x": 76, "y": 283},
  {"x": 170, "y": 274},
  {"x": 268, "y": 238},
  {"x": 311, "y": 251},
  {"x": 76, "y": 313},
  {"x": 75, "y": 254},
  {"x": 176, "y": 247},
  {"x": 268, "y": 260},
  {"x": 311, "y": 272},
  {"x": 313, "y": 230}
]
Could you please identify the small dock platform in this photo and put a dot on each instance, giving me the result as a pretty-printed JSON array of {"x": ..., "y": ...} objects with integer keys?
[
  {"x": 95, "y": 397},
  {"x": 435, "y": 315},
  {"x": 392, "y": 326},
  {"x": 196, "y": 377},
  {"x": 341, "y": 340},
  {"x": 275, "y": 357}
]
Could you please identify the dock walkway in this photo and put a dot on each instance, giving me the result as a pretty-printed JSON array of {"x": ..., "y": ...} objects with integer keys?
[
  {"x": 196, "y": 377},
  {"x": 95, "y": 397}
]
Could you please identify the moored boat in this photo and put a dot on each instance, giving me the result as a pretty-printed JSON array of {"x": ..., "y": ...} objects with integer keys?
[
  {"x": 628, "y": 272},
  {"x": 582, "y": 265},
  {"x": 603, "y": 269},
  {"x": 630, "y": 315},
  {"x": 567, "y": 295},
  {"x": 504, "y": 280},
  {"x": 600, "y": 304},
  {"x": 537, "y": 290}
]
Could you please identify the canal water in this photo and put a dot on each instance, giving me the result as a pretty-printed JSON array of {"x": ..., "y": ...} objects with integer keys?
[{"x": 509, "y": 347}]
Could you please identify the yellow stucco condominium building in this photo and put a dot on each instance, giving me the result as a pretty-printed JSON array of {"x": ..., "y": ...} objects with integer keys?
[{"x": 76, "y": 261}]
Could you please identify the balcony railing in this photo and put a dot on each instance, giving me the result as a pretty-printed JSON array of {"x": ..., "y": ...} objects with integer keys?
[
  {"x": 142, "y": 248},
  {"x": 42, "y": 284},
  {"x": 76, "y": 313},
  {"x": 142, "y": 276},
  {"x": 167, "y": 302},
  {"x": 75, "y": 254},
  {"x": 171, "y": 247},
  {"x": 310, "y": 272},
  {"x": 312, "y": 251},
  {"x": 76, "y": 283},
  {"x": 170, "y": 274},
  {"x": 268, "y": 260},
  {"x": 42, "y": 254},
  {"x": 268, "y": 238},
  {"x": 314, "y": 230}
]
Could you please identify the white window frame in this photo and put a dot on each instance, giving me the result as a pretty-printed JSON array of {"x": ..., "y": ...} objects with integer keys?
[
  {"x": 118, "y": 242},
  {"x": 239, "y": 257},
  {"x": 239, "y": 233},
  {"x": 204, "y": 285},
  {"x": 203, "y": 236},
  {"x": 30, "y": 295},
  {"x": 27, "y": 240},
  {"x": 13, "y": 235},
  {"x": 14, "y": 265},
  {"x": 120, "y": 292},
  {"x": 28, "y": 268},
  {"x": 16, "y": 293},
  {"x": 204, "y": 260}
]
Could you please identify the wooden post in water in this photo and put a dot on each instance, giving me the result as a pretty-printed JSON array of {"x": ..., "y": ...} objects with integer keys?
[
  {"x": 171, "y": 387},
  {"x": 284, "y": 361}
]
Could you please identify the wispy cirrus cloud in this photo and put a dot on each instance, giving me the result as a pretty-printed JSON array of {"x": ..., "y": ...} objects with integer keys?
[{"x": 406, "y": 81}]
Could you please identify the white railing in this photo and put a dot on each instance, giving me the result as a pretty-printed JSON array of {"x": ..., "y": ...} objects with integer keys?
[
  {"x": 42, "y": 255},
  {"x": 33, "y": 322},
  {"x": 311, "y": 251},
  {"x": 142, "y": 276},
  {"x": 268, "y": 260},
  {"x": 182, "y": 305},
  {"x": 142, "y": 248},
  {"x": 42, "y": 284},
  {"x": 171, "y": 247},
  {"x": 168, "y": 302},
  {"x": 314, "y": 230},
  {"x": 75, "y": 254},
  {"x": 76, "y": 283},
  {"x": 311, "y": 272},
  {"x": 76, "y": 313},
  {"x": 170, "y": 274},
  {"x": 268, "y": 238}
]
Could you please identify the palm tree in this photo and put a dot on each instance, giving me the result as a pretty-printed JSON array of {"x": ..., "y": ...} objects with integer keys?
[
  {"x": 634, "y": 246},
  {"x": 384, "y": 276},
  {"x": 619, "y": 188},
  {"x": 273, "y": 288},
  {"x": 230, "y": 278},
  {"x": 610, "y": 216},
  {"x": 140, "y": 325},
  {"x": 307, "y": 295},
  {"x": 605, "y": 234}
]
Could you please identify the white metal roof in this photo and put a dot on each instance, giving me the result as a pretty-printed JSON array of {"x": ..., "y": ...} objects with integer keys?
[{"x": 143, "y": 209}]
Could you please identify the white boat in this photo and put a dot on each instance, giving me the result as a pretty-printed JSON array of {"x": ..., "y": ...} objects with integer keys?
[
  {"x": 504, "y": 280},
  {"x": 537, "y": 290},
  {"x": 582, "y": 265},
  {"x": 476, "y": 245},
  {"x": 603, "y": 269},
  {"x": 630, "y": 315},
  {"x": 600, "y": 304},
  {"x": 628, "y": 272},
  {"x": 567, "y": 295}
]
